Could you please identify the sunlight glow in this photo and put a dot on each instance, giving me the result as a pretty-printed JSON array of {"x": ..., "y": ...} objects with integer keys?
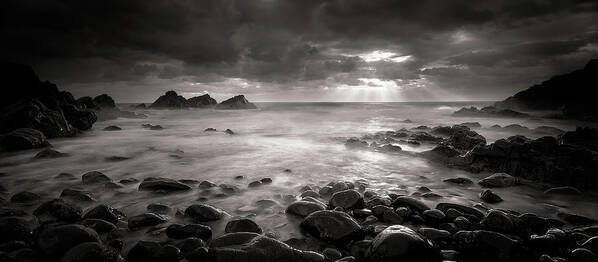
[{"x": 381, "y": 55}]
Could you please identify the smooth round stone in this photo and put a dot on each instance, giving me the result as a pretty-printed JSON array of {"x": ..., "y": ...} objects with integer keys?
[
  {"x": 412, "y": 203},
  {"x": 490, "y": 197},
  {"x": 55, "y": 241},
  {"x": 58, "y": 210},
  {"x": 332, "y": 226},
  {"x": 242, "y": 225},
  {"x": 99, "y": 225},
  {"x": 145, "y": 220},
  {"x": 24, "y": 197},
  {"x": 177, "y": 231},
  {"x": 583, "y": 255},
  {"x": 203, "y": 213},
  {"x": 399, "y": 243},
  {"x": 310, "y": 193},
  {"x": 362, "y": 213},
  {"x": 565, "y": 190},
  {"x": 15, "y": 228},
  {"x": 206, "y": 184},
  {"x": 331, "y": 254},
  {"x": 105, "y": 212},
  {"x": 347, "y": 199},
  {"x": 304, "y": 208},
  {"x": 93, "y": 177},
  {"x": 159, "y": 208},
  {"x": 499, "y": 180},
  {"x": 434, "y": 215},
  {"x": 498, "y": 221},
  {"x": 163, "y": 184},
  {"x": 433, "y": 233},
  {"x": 91, "y": 252}
]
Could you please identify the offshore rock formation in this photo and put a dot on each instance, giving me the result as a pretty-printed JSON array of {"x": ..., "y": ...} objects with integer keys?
[
  {"x": 569, "y": 93},
  {"x": 173, "y": 100},
  {"x": 105, "y": 108},
  {"x": 31, "y": 103},
  {"x": 489, "y": 111},
  {"x": 237, "y": 102}
]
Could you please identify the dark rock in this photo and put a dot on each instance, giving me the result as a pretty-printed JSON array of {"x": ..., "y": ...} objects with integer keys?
[
  {"x": 98, "y": 225},
  {"x": 50, "y": 153},
  {"x": 241, "y": 247},
  {"x": 465, "y": 139},
  {"x": 347, "y": 199},
  {"x": 209, "y": 129},
  {"x": 499, "y": 180},
  {"x": 490, "y": 197},
  {"x": 91, "y": 252},
  {"x": 237, "y": 102},
  {"x": 58, "y": 210},
  {"x": 591, "y": 244},
  {"x": 481, "y": 245},
  {"x": 565, "y": 190},
  {"x": 144, "y": 251},
  {"x": 461, "y": 208},
  {"x": 105, "y": 212},
  {"x": 201, "y": 101},
  {"x": 116, "y": 158},
  {"x": 391, "y": 148},
  {"x": 242, "y": 225},
  {"x": 399, "y": 243},
  {"x": 489, "y": 111},
  {"x": 412, "y": 203},
  {"x": 332, "y": 254},
  {"x": 333, "y": 226},
  {"x": 266, "y": 180},
  {"x": 206, "y": 184},
  {"x": 145, "y": 220},
  {"x": 177, "y": 231},
  {"x": 23, "y": 138},
  {"x": 77, "y": 194},
  {"x": 24, "y": 197},
  {"x": 54, "y": 241},
  {"x": 16, "y": 228},
  {"x": 362, "y": 213},
  {"x": 93, "y": 177},
  {"x": 310, "y": 193},
  {"x": 575, "y": 219},
  {"x": 112, "y": 128},
  {"x": 354, "y": 142},
  {"x": 255, "y": 184},
  {"x": 230, "y": 189},
  {"x": 498, "y": 221},
  {"x": 203, "y": 213},
  {"x": 172, "y": 100},
  {"x": 304, "y": 208},
  {"x": 187, "y": 245},
  {"x": 228, "y": 131},
  {"x": 141, "y": 106},
  {"x": 433, "y": 216},
  {"x": 128, "y": 181},
  {"x": 162, "y": 184},
  {"x": 583, "y": 255},
  {"x": 433, "y": 233},
  {"x": 159, "y": 208}
]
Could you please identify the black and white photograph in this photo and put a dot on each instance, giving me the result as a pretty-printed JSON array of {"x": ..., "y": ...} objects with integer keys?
[{"x": 299, "y": 131}]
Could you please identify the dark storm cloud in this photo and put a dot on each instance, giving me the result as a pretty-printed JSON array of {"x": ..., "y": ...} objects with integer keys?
[{"x": 480, "y": 46}]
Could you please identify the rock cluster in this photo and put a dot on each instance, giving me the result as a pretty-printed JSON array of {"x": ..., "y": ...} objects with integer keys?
[
  {"x": 105, "y": 108},
  {"x": 237, "y": 102},
  {"x": 488, "y": 111},
  {"x": 173, "y": 100}
]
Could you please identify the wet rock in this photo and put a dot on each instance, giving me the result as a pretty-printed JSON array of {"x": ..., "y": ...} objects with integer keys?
[
  {"x": 229, "y": 189},
  {"x": 433, "y": 216},
  {"x": 24, "y": 197},
  {"x": 488, "y": 111},
  {"x": 203, "y": 213},
  {"x": 362, "y": 213},
  {"x": 128, "y": 181},
  {"x": 116, "y": 158},
  {"x": 433, "y": 233},
  {"x": 228, "y": 131},
  {"x": 490, "y": 197},
  {"x": 498, "y": 221},
  {"x": 459, "y": 180},
  {"x": 310, "y": 193},
  {"x": 347, "y": 199},
  {"x": 23, "y": 138},
  {"x": 206, "y": 184},
  {"x": 112, "y": 128},
  {"x": 50, "y": 153},
  {"x": 332, "y": 226},
  {"x": 236, "y": 102},
  {"x": 146, "y": 251},
  {"x": 591, "y": 244},
  {"x": 93, "y": 177},
  {"x": 58, "y": 210},
  {"x": 465, "y": 139},
  {"x": 163, "y": 185},
  {"x": 242, "y": 247},
  {"x": 145, "y": 220},
  {"x": 499, "y": 180},
  {"x": 461, "y": 208},
  {"x": 266, "y": 180},
  {"x": 332, "y": 254},
  {"x": 399, "y": 243},
  {"x": 255, "y": 184},
  {"x": 159, "y": 208},
  {"x": 304, "y": 208},
  {"x": 77, "y": 194},
  {"x": 98, "y": 225},
  {"x": 16, "y": 228},
  {"x": 355, "y": 142},
  {"x": 481, "y": 245},
  {"x": 575, "y": 219},
  {"x": 105, "y": 212},
  {"x": 91, "y": 252},
  {"x": 242, "y": 225},
  {"x": 56, "y": 240},
  {"x": 583, "y": 255},
  {"x": 378, "y": 200},
  {"x": 187, "y": 245},
  {"x": 177, "y": 231},
  {"x": 391, "y": 148},
  {"x": 412, "y": 203},
  {"x": 565, "y": 190},
  {"x": 209, "y": 129}
]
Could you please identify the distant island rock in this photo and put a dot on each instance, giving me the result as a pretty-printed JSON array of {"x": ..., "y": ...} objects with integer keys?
[
  {"x": 569, "y": 93},
  {"x": 105, "y": 108},
  {"x": 237, "y": 102},
  {"x": 488, "y": 111},
  {"x": 30, "y": 103},
  {"x": 173, "y": 100}
]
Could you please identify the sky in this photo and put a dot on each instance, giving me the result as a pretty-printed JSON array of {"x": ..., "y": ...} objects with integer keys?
[{"x": 300, "y": 50}]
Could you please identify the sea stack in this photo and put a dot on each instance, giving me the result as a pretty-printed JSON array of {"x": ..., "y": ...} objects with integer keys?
[
  {"x": 173, "y": 100},
  {"x": 237, "y": 102}
]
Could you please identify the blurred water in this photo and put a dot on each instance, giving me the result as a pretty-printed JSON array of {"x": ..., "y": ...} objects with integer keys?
[{"x": 304, "y": 137}]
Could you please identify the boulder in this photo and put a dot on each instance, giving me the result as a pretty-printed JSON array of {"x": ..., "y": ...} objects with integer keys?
[
  {"x": 172, "y": 100},
  {"x": 147, "y": 251},
  {"x": 498, "y": 221},
  {"x": 412, "y": 203},
  {"x": 177, "y": 231},
  {"x": 23, "y": 138},
  {"x": 333, "y": 226},
  {"x": 201, "y": 101},
  {"x": 490, "y": 197},
  {"x": 242, "y": 225},
  {"x": 91, "y": 252},
  {"x": 461, "y": 208},
  {"x": 54, "y": 241},
  {"x": 105, "y": 212},
  {"x": 16, "y": 229},
  {"x": 237, "y": 102},
  {"x": 347, "y": 199},
  {"x": 57, "y": 210},
  {"x": 304, "y": 208},
  {"x": 93, "y": 177},
  {"x": 24, "y": 197},
  {"x": 489, "y": 111},
  {"x": 98, "y": 225},
  {"x": 50, "y": 153},
  {"x": 77, "y": 194},
  {"x": 204, "y": 213},
  {"x": 459, "y": 181},
  {"x": 499, "y": 180},
  {"x": 399, "y": 243},
  {"x": 465, "y": 139},
  {"x": 163, "y": 184},
  {"x": 145, "y": 220},
  {"x": 482, "y": 245},
  {"x": 252, "y": 247}
]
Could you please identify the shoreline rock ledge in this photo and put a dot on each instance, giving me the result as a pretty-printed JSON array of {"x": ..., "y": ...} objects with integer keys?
[
  {"x": 173, "y": 100},
  {"x": 237, "y": 102}
]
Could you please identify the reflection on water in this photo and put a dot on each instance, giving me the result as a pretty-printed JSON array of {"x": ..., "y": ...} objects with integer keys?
[{"x": 306, "y": 138}]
